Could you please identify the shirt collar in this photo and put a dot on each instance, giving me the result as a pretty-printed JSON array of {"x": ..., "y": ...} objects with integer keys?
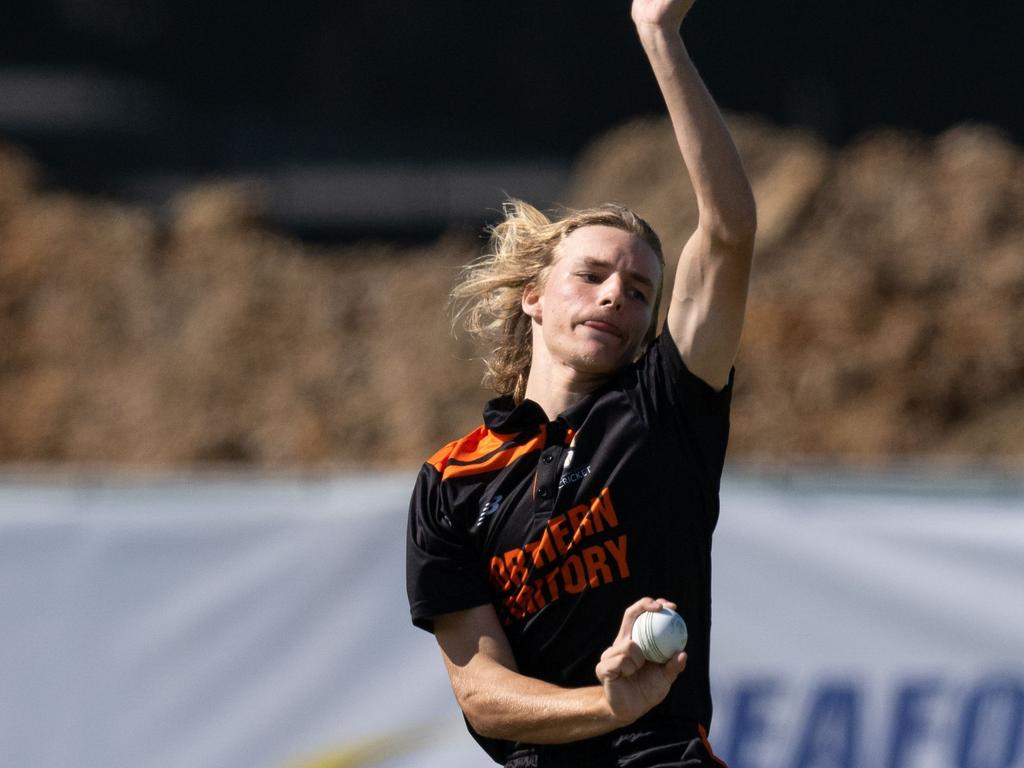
[{"x": 502, "y": 415}]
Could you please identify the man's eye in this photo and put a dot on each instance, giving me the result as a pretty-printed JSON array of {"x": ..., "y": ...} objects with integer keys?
[
  {"x": 590, "y": 277},
  {"x": 638, "y": 294}
]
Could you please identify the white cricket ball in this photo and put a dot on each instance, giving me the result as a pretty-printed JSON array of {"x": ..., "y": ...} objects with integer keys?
[{"x": 660, "y": 634}]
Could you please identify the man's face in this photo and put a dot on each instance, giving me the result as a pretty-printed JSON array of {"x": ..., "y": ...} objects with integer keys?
[{"x": 595, "y": 307}]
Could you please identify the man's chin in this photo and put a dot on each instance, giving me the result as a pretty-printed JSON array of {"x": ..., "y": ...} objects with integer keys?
[{"x": 600, "y": 363}]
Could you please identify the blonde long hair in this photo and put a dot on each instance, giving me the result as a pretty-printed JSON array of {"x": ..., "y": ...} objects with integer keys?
[{"x": 487, "y": 297}]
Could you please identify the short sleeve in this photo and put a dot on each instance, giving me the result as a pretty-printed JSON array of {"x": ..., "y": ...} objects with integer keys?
[
  {"x": 674, "y": 398},
  {"x": 443, "y": 572}
]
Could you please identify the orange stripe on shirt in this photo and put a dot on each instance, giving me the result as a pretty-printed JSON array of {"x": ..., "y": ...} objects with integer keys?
[
  {"x": 440, "y": 459},
  {"x": 477, "y": 444},
  {"x": 707, "y": 746},
  {"x": 499, "y": 460}
]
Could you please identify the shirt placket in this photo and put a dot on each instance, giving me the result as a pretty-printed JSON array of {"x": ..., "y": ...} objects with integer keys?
[{"x": 549, "y": 466}]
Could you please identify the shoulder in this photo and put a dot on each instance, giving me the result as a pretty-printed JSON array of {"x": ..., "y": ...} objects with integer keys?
[
  {"x": 663, "y": 357},
  {"x": 667, "y": 395},
  {"x": 432, "y": 487},
  {"x": 474, "y": 453},
  {"x": 462, "y": 447},
  {"x": 484, "y": 451}
]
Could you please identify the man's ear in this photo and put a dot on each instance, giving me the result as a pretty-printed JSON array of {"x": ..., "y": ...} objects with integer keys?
[{"x": 532, "y": 303}]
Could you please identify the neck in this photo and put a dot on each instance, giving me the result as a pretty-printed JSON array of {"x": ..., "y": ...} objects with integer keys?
[{"x": 557, "y": 387}]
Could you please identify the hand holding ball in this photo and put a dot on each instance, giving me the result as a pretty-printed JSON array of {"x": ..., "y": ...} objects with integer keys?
[{"x": 660, "y": 634}]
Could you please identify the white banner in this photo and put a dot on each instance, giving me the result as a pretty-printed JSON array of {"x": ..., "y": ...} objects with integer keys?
[
  {"x": 255, "y": 622},
  {"x": 869, "y": 627}
]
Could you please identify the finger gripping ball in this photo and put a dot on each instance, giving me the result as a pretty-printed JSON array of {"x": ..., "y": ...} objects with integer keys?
[{"x": 660, "y": 634}]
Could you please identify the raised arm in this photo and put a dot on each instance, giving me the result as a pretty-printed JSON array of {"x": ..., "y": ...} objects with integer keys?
[
  {"x": 709, "y": 297},
  {"x": 500, "y": 703}
]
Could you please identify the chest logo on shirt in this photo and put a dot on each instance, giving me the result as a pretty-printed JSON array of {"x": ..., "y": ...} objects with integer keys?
[
  {"x": 582, "y": 549},
  {"x": 487, "y": 509},
  {"x": 573, "y": 477}
]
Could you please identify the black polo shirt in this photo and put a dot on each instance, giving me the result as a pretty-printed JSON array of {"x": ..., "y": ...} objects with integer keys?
[{"x": 562, "y": 524}]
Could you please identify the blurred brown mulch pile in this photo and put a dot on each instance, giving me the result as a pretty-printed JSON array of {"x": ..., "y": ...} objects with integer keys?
[{"x": 885, "y": 319}]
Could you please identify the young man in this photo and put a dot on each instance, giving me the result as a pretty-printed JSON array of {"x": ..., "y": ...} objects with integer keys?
[{"x": 590, "y": 493}]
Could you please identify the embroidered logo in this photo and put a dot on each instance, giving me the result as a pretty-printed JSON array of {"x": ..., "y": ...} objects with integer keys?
[{"x": 488, "y": 508}]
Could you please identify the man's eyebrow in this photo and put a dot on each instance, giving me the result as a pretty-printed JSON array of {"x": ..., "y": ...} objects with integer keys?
[{"x": 593, "y": 261}]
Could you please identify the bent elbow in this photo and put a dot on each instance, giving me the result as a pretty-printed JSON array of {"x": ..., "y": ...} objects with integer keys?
[
  {"x": 481, "y": 720},
  {"x": 744, "y": 229},
  {"x": 481, "y": 727},
  {"x": 475, "y": 708},
  {"x": 741, "y": 225},
  {"x": 735, "y": 229}
]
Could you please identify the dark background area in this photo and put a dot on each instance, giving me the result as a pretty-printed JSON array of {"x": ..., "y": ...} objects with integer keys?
[{"x": 102, "y": 92}]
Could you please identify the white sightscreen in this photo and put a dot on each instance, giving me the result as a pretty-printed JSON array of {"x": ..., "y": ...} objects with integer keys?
[{"x": 246, "y": 621}]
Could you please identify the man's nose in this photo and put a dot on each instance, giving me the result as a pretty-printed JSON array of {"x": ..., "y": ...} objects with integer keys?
[{"x": 612, "y": 292}]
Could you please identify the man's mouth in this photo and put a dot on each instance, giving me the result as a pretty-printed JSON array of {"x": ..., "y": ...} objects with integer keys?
[{"x": 601, "y": 325}]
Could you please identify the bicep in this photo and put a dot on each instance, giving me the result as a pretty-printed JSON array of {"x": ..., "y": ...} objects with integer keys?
[
  {"x": 474, "y": 646},
  {"x": 708, "y": 302}
]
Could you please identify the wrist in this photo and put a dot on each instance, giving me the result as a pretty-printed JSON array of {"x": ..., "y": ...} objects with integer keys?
[
  {"x": 613, "y": 713},
  {"x": 656, "y": 38}
]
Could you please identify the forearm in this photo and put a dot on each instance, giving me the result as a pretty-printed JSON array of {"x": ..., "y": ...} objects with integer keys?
[
  {"x": 724, "y": 198},
  {"x": 503, "y": 704},
  {"x": 500, "y": 703}
]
